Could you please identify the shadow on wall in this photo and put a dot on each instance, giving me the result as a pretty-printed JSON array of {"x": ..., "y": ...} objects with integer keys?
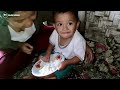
[{"x": 43, "y": 16}]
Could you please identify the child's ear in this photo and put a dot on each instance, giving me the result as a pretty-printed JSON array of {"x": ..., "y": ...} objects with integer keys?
[
  {"x": 78, "y": 24},
  {"x": 54, "y": 25}
]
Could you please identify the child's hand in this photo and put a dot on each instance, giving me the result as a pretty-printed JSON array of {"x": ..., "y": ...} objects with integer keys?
[
  {"x": 62, "y": 65},
  {"x": 45, "y": 58}
]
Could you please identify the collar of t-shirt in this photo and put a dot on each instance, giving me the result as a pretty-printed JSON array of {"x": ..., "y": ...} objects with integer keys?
[{"x": 22, "y": 36}]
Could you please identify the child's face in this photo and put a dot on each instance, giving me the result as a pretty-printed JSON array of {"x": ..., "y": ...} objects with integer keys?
[
  {"x": 65, "y": 24},
  {"x": 23, "y": 21}
]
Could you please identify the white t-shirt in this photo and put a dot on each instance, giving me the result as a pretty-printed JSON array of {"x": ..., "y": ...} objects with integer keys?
[
  {"x": 22, "y": 36},
  {"x": 76, "y": 47}
]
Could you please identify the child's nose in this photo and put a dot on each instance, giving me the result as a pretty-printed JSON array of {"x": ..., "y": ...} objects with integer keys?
[{"x": 65, "y": 27}]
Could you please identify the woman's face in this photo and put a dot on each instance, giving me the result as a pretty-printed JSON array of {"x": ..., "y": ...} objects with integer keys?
[
  {"x": 65, "y": 24},
  {"x": 24, "y": 20}
]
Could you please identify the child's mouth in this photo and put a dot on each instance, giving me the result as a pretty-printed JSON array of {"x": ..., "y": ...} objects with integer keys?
[{"x": 65, "y": 32}]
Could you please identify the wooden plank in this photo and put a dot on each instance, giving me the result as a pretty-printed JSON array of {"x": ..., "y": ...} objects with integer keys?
[
  {"x": 111, "y": 16},
  {"x": 99, "y": 13}
]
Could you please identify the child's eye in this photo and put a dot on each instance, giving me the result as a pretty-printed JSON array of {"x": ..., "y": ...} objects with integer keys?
[
  {"x": 59, "y": 24},
  {"x": 70, "y": 23}
]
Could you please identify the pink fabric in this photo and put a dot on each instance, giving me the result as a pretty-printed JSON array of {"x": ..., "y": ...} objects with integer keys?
[
  {"x": 2, "y": 58},
  {"x": 1, "y": 61}
]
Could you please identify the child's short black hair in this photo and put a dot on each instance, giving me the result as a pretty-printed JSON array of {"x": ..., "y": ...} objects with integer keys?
[{"x": 75, "y": 13}]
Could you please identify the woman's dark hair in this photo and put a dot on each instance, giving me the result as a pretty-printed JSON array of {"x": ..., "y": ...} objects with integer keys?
[
  {"x": 75, "y": 13},
  {"x": 10, "y": 12}
]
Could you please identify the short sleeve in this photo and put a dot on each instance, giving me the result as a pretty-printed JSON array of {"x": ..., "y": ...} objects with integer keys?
[
  {"x": 53, "y": 37},
  {"x": 80, "y": 48}
]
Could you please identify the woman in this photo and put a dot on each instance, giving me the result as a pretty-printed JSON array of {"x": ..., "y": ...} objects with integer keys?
[{"x": 19, "y": 40}]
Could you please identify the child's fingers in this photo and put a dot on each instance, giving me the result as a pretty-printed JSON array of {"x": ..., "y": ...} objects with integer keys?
[
  {"x": 40, "y": 57},
  {"x": 59, "y": 66},
  {"x": 44, "y": 59}
]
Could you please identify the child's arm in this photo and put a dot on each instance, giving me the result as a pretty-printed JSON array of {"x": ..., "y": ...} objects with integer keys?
[
  {"x": 64, "y": 64},
  {"x": 49, "y": 49},
  {"x": 46, "y": 57},
  {"x": 89, "y": 54}
]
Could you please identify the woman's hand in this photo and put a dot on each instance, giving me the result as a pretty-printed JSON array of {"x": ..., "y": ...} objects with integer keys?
[{"x": 26, "y": 48}]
